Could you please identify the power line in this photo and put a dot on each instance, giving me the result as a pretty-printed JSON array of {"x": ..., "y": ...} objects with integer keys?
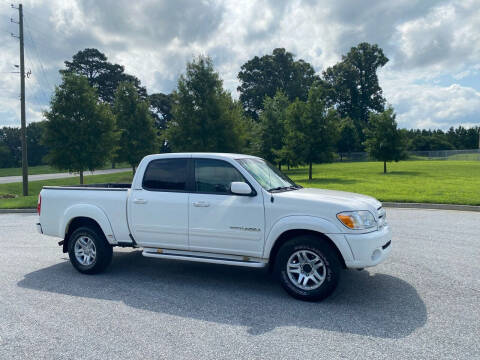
[
  {"x": 39, "y": 58},
  {"x": 41, "y": 22},
  {"x": 36, "y": 71},
  {"x": 33, "y": 63}
]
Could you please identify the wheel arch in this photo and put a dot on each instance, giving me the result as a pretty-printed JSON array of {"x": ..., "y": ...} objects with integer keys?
[
  {"x": 290, "y": 234},
  {"x": 322, "y": 229},
  {"x": 86, "y": 215},
  {"x": 78, "y": 222}
]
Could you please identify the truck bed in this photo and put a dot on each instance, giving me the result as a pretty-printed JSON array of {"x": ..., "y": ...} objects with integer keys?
[
  {"x": 103, "y": 186},
  {"x": 107, "y": 200}
]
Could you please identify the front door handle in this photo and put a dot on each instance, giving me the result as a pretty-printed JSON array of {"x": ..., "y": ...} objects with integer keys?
[
  {"x": 140, "y": 201},
  {"x": 201, "y": 204}
]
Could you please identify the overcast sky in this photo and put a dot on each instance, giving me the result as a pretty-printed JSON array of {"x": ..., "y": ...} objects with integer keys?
[{"x": 432, "y": 78}]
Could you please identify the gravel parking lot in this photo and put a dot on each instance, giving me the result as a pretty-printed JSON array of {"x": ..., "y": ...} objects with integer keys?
[{"x": 423, "y": 302}]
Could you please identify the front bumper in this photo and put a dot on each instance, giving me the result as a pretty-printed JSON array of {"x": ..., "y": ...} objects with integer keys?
[
  {"x": 39, "y": 228},
  {"x": 369, "y": 249}
]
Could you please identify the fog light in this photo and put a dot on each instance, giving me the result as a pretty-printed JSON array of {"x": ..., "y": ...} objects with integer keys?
[{"x": 376, "y": 255}]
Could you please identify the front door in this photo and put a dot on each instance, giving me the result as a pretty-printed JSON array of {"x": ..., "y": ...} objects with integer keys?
[
  {"x": 219, "y": 221},
  {"x": 159, "y": 211}
]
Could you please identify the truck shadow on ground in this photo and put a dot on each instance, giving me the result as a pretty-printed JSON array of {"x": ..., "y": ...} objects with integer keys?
[{"x": 377, "y": 305}]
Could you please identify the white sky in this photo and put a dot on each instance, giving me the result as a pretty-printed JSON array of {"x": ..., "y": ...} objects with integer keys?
[{"x": 432, "y": 79}]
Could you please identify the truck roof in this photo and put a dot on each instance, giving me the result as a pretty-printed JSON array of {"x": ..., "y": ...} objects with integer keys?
[{"x": 211, "y": 155}]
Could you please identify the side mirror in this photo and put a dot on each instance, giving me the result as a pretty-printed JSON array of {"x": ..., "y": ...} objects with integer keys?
[{"x": 240, "y": 188}]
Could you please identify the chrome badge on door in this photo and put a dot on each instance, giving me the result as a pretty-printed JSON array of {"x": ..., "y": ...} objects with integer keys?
[{"x": 243, "y": 228}]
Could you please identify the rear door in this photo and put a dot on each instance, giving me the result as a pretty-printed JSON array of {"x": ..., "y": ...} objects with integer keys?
[
  {"x": 159, "y": 209},
  {"x": 221, "y": 222}
]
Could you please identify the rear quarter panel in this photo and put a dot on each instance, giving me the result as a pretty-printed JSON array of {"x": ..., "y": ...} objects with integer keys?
[{"x": 106, "y": 207}]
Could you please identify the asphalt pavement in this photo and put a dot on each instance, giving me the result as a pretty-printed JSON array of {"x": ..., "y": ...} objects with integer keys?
[
  {"x": 13, "y": 179},
  {"x": 422, "y": 303}
]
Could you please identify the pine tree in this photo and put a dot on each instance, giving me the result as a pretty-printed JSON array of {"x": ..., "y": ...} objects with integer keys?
[
  {"x": 384, "y": 141},
  {"x": 272, "y": 124},
  {"x": 205, "y": 118},
  {"x": 137, "y": 132},
  {"x": 79, "y": 131},
  {"x": 311, "y": 130}
]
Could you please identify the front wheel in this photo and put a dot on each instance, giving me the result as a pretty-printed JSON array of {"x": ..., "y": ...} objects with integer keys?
[
  {"x": 89, "y": 251},
  {"x": 308, "y": 268}
]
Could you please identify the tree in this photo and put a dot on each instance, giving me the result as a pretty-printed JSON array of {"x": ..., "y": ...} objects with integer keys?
[
  {"x": 347, "y": 137},
  {"x": 79, "y": 131},
  {"x": 5, "y": 156},
  {"x": 272, "y": 127},
  {"x": 36, "y": 150},
  {"x": 311, "y": 130},
  {"x": 161, "y": 110},
  {"x": 10, "y": 138},
  {"x": 354, "y": 84},
  {"x": 264, "y": 76},
  {"x": 205, "y": 118},
  {"x": 101, "y": 74},
  {"x": 384, "y": 141},
  {"x": 135, "y": 123}
]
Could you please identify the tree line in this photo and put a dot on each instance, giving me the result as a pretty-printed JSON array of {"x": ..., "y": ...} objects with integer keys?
[{"x": 286, "y": 112}]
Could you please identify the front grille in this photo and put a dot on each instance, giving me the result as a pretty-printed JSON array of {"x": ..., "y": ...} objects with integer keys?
[{"x": 386, "y": 245}]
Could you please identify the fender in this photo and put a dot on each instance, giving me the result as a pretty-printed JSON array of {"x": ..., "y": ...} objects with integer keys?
[
  {"x": 305, "y": 222},
  {"x": 89, "y": 211}
]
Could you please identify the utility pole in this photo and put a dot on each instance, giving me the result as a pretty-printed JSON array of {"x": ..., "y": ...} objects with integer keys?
[{"x": 22, "y": 104}]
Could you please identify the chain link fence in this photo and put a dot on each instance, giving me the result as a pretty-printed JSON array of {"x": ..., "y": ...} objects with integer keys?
[{"x": 465, "y": 155}]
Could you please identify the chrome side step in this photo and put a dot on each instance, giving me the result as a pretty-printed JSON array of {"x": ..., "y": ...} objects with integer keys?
[{"x": 205, "y": 257}]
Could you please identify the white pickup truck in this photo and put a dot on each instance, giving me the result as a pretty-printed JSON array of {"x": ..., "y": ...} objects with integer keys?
[{"x": 220, "y": 208}]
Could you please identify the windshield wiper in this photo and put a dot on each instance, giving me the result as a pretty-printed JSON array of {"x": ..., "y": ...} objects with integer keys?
[{"x": 285, "y": 188}]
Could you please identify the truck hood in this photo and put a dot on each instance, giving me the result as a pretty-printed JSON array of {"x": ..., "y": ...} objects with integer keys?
[
  {"x": 353, "y": 201},
  {"x": 324, "y": 203}
]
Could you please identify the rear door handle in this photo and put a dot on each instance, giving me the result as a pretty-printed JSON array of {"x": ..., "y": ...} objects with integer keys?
[
  {"x": 201, "y": 204},
  {"x": 140, "y": 201}
]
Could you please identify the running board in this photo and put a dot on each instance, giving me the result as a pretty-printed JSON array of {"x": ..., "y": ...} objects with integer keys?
[{"x": 205, "y": 257}]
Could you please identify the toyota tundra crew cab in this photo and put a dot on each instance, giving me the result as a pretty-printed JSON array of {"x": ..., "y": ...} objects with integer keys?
[{"x": 226, "y": 209}]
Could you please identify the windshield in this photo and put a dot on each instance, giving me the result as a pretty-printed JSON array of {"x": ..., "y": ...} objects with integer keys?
[{"x": 267, "y": 175}]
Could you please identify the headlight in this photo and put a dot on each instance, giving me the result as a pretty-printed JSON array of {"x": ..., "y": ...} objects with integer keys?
[{"x": 357, "y": 220}]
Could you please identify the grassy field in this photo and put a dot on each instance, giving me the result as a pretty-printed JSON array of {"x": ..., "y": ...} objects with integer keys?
[
  {"x": 46, "y": 169},
  {"x": 447, "y": 182},
  {"x": 20, "y": 202}
]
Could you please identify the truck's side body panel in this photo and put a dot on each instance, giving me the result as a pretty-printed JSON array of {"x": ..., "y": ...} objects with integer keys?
[
  {"x": 107, "y": 207},
  {"x": 159, "y": 219},
  {"x": 228, "y": 224},
  {"x": 311, "y": 223}
]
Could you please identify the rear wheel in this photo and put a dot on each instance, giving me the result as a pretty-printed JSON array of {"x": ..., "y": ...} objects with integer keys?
[
  {"x": 89, "y": 251},
  {"x": 308, "y": 268}
]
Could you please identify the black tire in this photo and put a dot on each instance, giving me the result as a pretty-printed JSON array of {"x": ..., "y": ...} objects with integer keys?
[
  {"x": 103, "y": 250},
  {"x": 330, "y": 271}
]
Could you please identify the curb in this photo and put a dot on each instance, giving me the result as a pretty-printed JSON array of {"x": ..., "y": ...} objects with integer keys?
[
  {"x": 431, "y": 206},
  {"x": 386, "y": 204},
  {"x": 18, "y": 211}
]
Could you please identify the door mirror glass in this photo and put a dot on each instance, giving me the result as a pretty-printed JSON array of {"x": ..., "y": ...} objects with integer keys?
[{"x": 240, "y": 188}]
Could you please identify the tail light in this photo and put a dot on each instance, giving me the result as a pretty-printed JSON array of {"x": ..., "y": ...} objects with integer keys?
[{"x": 39, "y": 204}]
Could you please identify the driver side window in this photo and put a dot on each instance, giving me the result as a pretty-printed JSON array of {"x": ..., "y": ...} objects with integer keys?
[{"x": 215, "y": 176}]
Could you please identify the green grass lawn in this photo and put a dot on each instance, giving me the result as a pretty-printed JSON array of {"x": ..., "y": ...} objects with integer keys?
[
  {"x": 30, "y": 201},
  {"x": 47, "y": 169},
  {"x": 446, "y": 182}
]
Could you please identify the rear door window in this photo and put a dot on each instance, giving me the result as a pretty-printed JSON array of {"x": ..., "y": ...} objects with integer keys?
[{"x": 166, "y": 175}]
